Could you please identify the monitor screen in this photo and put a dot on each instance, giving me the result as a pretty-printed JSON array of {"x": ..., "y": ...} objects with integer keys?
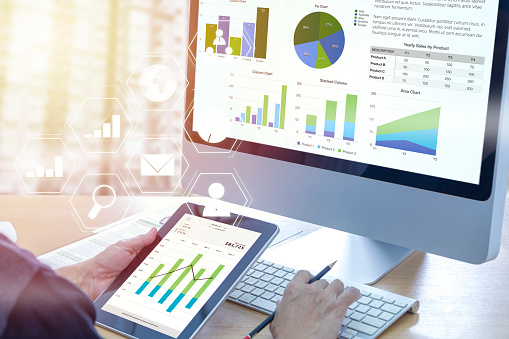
[{"x": 403, "y": 92}]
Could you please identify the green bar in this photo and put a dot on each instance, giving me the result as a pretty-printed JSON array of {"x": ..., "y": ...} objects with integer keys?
[
  {"x": 311, "y": 120},
  {"x": 160, "y": 267},
  {"x": 210, "y": 36},
  {"x": 265, "y": 110},
  {"x": 330, "y": 111},
  {"x": 235, "y": 44},
  {"x": 170, "y": 272},
  {"x": 262, "y": 31},
  {"x": 248, "y": 114},
  {"x": 351, "y": 108},
  {"x": 183, "y": 275},
  {"x": 193, "y": 281},
  {"x": 283, "y": 108},
  {"x": 420, "y": 121},
  {"x": 208, "y": 282}
]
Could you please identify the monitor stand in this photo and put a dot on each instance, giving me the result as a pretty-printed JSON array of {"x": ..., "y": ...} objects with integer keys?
[{"x": 360, "y": 259}]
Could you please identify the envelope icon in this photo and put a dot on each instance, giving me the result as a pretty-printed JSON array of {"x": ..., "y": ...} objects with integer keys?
[{"x": 157, "y": 165}]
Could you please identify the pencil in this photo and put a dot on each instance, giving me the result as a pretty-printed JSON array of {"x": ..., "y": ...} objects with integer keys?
[{"x": 269, "y": 319}]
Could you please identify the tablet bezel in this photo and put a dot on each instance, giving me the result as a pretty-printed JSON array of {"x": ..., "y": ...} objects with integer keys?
[{"x": 131, "y": 329}]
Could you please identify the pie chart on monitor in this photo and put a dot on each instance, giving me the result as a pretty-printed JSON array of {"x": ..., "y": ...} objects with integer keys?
[{"x": 319, "y": 40}]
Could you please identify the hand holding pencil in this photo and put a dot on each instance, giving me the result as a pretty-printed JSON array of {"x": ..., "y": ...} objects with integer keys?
[{"x": 310, "y": 308}]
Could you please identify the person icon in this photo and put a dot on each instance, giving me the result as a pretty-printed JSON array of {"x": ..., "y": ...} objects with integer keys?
[
  {"x": 213, "y": 208},
  {"x": 219, "y": 41},
  {"x": 229, "y": 50}
]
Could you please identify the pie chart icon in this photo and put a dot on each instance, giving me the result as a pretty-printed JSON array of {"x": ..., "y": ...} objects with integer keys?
[
  {"x": 213, "y": 125},
  {"x": 319, "y": 40}
]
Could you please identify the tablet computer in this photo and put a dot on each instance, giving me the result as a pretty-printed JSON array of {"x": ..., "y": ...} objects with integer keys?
[{"x": 174, "y": 285}]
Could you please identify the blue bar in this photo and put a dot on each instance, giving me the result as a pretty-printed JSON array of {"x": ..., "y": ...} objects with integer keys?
[
  {"x": 349, "y": 131},
  {"x": 145, "y": 284},
  {"x": 248, "y": 35},
  {"x": 191, "y": 303},
  {"x": 243, "y": 117},
  {"x": 165, "y": 296},
  {"x": 310, "y": 129},
  {"x": 175, "y": 303},
  {"x": 259, "y": 116},
  {"x": 154, "y": 291},
  {"x": 276, "y": 119}
]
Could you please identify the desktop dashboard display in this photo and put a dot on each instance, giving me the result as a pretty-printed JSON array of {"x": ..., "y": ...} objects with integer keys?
[
  {"x": 179, "y": 276},
  {"x": 402, "y": 86}
]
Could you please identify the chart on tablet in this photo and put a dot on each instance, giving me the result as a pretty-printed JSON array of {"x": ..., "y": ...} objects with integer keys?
[{"x": 179, "y": 276}]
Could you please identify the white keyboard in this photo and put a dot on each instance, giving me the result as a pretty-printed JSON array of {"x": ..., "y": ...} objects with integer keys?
[{"x": 368, "y": 317}]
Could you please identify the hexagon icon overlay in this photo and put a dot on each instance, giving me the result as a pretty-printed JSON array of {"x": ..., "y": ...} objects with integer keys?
[
  {"x": 45, "y": 165},
  {"x": 157, "y": 165},
  {"x": 101, "y": 125},
  {"x": 100, "y": 199},
  {"x": 157, "y": 83}
]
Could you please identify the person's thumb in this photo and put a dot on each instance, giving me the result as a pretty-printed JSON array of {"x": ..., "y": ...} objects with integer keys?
[{"x": 139, "y": 242}]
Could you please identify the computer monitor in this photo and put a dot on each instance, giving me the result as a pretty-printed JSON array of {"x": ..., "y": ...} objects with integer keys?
[{"x": 380, "y": 119}]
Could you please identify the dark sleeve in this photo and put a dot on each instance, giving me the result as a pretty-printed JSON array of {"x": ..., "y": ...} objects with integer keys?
[{"x": 47, "y": 306}]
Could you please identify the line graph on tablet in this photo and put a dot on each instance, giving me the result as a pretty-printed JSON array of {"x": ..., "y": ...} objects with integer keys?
[{"x": 180, "y": 275}]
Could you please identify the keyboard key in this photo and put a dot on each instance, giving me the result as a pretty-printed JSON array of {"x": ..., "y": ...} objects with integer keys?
[
  {"x": 268, "y": 263},
  {"x": 364, "y": 300},
  {"x": 270, "y": 270},
  {"x": 247, "y": 288},
  {"x": 362, "y": 308},
  {"x": 236, "y": 294},
  {"x": 280, "y": 274},
  {"x": 245, "y": 278},
  {"x": 277, "y": 281},
  {"x": 373, "y": 321},
  {"x": 260, "y": 261},
  {"x": 346, "y": 335},
  {"x": 261, "y": 267},
  {"x": 267, "y": 295},
  {"x": 386, "y": 316},
  {"x": 376, "y": 304},
  {"x": 284, "y": 283},
  {"x": 264, "y": 304},
  {"x": 257, "y": 274},
  {"x": 364, "y": 328},
  {"x": 348, "y": 313},
  {"x": 353, "y": 306},
  {"x": 346, "y": 321},
  {"x": 247, "y": 298},
  {"x": 261, "y": 284},
  {"x": 240, "y": 286},
  {"x": 357, "y": 316},
  {"x": 279, "y": 267},
  {"x": 258, "y": 292},
  {"x": 275, "y": 298},
  {"x": 374, "y": 312},
  {"x": 400, "y": 304},
  {"x": 387, "y": 300},
  {"x": 391, "y": 309},
  {"x": 267, "y": 277},
  {"x": 365, "y": 293},
  {"x": 288, "y": 269},
  {"x": 251, "y": 281},
  {"x": 349, "y": 330},
  {"x": 271, "y": 287},
  {"x": 289, "y": 276},
  {"x": 279, "y": 291},
  {"x": 376, "y": 296}
]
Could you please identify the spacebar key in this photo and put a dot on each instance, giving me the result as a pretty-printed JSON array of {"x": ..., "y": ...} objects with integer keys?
[
  {"x": 265, "y": 304},
  {"x": 369, "y": 330}
]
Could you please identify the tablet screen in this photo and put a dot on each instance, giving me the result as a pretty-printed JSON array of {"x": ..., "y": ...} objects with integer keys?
[{"x": 182, "y": 272}]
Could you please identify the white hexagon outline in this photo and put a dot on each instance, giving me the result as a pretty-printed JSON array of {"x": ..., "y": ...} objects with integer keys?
[
  {"x": 235, "y": 146},
  {"x": 125, "y": 135},
  {"x": 100, "y": 174},
  {"x": 158, "y": 55},
  {"x": 246, "y": 204},
  {"x": 181, "y": 175},
  {"x": 21, "y": 177}
]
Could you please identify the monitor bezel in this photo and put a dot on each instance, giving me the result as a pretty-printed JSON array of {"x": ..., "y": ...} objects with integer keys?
[{"x": 480, "y": 192}]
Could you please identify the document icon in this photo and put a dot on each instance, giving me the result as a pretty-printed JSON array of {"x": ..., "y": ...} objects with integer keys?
[{"x": 157, "y": 165}]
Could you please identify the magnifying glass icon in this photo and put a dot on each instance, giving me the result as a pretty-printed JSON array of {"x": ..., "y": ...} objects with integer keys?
[{"x": 98, "y": 207}]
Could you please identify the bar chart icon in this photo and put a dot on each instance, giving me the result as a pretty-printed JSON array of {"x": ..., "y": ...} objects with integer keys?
[
  {"x": 260, "y": 117},
  {"x": 42, "y": 172},
  {"x": 106, "y": 130}
]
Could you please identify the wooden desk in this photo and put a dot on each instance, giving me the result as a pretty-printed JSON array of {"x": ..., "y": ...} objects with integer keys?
[{"x": 458, "y": 300}]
